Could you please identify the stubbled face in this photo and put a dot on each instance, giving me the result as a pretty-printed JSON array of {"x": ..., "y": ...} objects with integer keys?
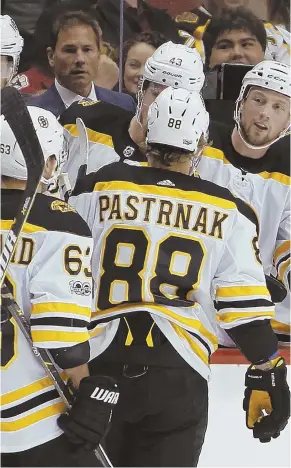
[
  {"x": 236, "y": 46},
  {"x": 264, "y": 115},
  {"x": 134, "y": 65},
  {"x": 75, "y": 58}
]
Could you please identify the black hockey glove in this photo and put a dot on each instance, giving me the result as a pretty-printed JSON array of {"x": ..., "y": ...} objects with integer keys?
[
  {"x": 87, "y": 422},
  {"x": 267, "y": 392}
]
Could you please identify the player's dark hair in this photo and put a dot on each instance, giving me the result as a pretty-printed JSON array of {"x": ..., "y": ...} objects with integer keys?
[
  {"x": 164, "y": 155},
  {"x": 233, "y": 19}
]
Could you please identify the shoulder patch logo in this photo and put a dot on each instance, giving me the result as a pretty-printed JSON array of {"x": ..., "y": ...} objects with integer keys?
[
  {"x": 59, "y": 205},
  {"x": 167, "y": 183},
  {"x": 128, "y": 152}
]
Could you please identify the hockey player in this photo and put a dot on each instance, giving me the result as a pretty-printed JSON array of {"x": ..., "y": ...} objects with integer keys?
[
  {"x": 114, "y": 130},
  {"x": 163, "y": 244},
  {"x": 11, "y": 47},
  {"x": 49, "y": 276},
  {"x": 250, "y": 161}
]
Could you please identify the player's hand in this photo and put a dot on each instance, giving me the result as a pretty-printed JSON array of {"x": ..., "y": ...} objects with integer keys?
[
  {"x": 87, "y": 422},
  {"x": 267, "y": 400}
]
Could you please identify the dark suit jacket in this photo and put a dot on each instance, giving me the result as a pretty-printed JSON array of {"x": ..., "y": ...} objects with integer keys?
[{"x": 51, "y": 100}]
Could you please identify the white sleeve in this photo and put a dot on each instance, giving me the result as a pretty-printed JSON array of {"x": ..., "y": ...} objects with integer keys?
[
  {"x": 240, "y": 289},
  {"x": 60, "y": 287},
  {"x": 282, "y": 251}
]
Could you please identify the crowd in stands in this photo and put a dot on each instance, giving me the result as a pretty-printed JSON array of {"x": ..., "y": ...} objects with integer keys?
[{"x": 221, "y": 30}]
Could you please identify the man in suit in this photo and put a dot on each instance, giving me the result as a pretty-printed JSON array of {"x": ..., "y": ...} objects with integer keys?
[{"x": 74, "y": 55}]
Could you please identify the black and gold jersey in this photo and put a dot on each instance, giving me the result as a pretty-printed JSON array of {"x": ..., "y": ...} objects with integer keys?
[
  {"x": 265, "y": 185},
  {"x": 49, "y": 275},
  {"x": 166, "y": 243},
  {"x": 107, "y": 128}
]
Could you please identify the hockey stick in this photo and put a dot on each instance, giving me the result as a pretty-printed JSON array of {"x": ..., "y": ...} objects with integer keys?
[
  {"x": 66, "y": 392},
  {"x": 83, "y": 140},
  {"x": 16, "y": 114}
]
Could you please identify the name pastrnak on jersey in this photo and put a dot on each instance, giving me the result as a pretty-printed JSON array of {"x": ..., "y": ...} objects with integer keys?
[
  {"x": 265, "y": 185},
  {"x": 107, "y": 128},
  {"x": 166, "y": 244},
  {"x": 50, "y": 278}
]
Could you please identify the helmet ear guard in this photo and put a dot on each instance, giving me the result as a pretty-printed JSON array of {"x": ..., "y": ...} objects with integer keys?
[{"x": 270, "y": 75}]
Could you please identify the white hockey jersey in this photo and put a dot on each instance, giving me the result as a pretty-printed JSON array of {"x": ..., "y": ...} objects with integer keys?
[
  {"x": 50, "y": 278},
  {"x": 265, "y": 185},
  {"x": 164, "y": 245},
  {"x": 107, "y": 129}
]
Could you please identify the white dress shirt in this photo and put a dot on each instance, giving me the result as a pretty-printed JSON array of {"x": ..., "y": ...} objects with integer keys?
[{"x": 68, "y": 97}]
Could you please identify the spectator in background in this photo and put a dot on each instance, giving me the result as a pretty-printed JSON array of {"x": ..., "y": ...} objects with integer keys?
[
  {"x": 139, "y": 16},
  {"x": 74, "y": 55},
  {"x": 193, "y": 25},
  {"x": 11, "y": 47},
  {"x": 236, "y": 36},
  {"x": 136, "y": 51}
]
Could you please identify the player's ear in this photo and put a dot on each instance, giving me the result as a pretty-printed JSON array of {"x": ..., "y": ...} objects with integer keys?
[{"x": 50, "y": 56}]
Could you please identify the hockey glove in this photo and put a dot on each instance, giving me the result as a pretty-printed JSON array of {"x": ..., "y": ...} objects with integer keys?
[
  {"x": 88, "y": 420},
  {"x": 267, "y": 399}
]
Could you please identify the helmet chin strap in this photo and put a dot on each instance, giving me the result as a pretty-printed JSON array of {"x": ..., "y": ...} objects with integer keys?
[{"x": 266, "y": 145}]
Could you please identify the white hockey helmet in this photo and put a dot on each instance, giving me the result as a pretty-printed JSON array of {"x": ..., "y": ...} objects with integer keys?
[
  {"x": 178, "y": 118},
  {"x": 268, "y": 74},
  {"x": 175, "y": 65},
  {"x": 51, "y": 137},
  {"x": 11, "y": 43}
]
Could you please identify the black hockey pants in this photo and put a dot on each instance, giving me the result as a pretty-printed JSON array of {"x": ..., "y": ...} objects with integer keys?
[{"x": 161, "y": 417}]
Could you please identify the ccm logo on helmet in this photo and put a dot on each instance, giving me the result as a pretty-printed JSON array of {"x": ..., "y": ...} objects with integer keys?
[
  {"x": 175, "y": 75},
  {"x": 105, "y": 395},
  {"x": 276, "y": 78}
]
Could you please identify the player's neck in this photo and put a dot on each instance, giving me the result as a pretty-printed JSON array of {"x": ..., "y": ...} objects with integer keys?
[
  {"x": 242, "y": 149},
  {"x": 183, "y": 167}
]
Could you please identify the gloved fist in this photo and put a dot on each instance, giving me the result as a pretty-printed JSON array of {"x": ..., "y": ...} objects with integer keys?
[
  {"x": 87, "y": 422},
  {"x": 267, "y": 392}
]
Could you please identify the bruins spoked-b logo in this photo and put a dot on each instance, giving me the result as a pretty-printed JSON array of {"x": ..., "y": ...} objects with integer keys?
[{"x": 43, "y": 121}]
